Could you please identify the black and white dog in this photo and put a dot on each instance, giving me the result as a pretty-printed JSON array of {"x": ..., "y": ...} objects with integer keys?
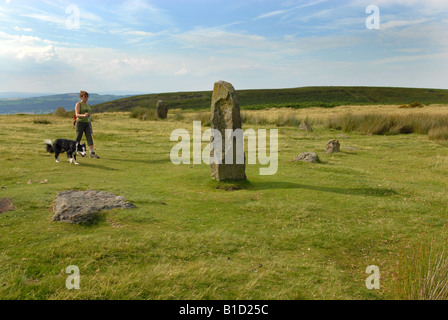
[{"x": 71, "y": 147}]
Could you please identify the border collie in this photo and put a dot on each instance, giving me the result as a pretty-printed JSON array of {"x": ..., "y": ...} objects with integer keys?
[{"x": 71, "y": 147}]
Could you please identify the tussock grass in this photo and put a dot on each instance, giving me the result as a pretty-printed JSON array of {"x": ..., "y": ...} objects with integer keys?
[
  {"x": 423, "y": 269},
  {"x": 62, "y": 113},
  {"x": 179, "y": 116},
  {"x": 203, "y": 117},
  {"x": 411, "y": 106},
  {"x": 280, "y": 120},
  {"x": 390, "y": 124},
  {"x": 41, "y": 120},
  {"x": 439, "y": 133},
  {"x": 144, "y": 114}
]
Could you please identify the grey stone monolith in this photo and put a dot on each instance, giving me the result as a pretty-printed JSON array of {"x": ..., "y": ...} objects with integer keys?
[
  {"x": 226, "y": 123},
  {"x": 162, "y": 110}
]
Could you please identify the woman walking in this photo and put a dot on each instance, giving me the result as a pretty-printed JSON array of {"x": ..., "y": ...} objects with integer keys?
[{"x": 83, "y": 126}]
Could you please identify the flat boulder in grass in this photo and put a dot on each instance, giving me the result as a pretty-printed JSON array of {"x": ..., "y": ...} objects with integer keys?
[
  {"x": 307, "y": 157},
  {"x": 84, "y": 206}
]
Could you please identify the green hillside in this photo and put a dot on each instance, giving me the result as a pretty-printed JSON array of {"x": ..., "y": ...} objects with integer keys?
[{"x": 294, "y": 98}]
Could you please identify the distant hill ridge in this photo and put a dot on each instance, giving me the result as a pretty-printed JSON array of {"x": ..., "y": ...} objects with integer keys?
[
  {"x": 303, "y": 97},
  {"x": 293, "y": 98},
  {"x": 49, "y": 103}
]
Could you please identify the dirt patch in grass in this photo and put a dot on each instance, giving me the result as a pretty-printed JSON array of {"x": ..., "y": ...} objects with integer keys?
[{"x": 6, "y": 205}]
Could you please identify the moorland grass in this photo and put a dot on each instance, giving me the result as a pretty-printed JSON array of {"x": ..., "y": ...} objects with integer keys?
[
  {"x": 291, "y": 98},
  {"x": 308, "y": 232},
  {"x": 422, "y": 272},
  {"x": 383, "y": 124}
]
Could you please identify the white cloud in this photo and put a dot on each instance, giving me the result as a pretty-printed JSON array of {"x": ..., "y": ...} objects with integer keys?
[
  {"x": 293, "y": 10},
  {"x": 213, "y": 37},
  {"x": 45, "y": 17},
  {"x": 271, "y": 14},
  {"x": 23, "y": 29},
  {"x": 132, "y": 33},
  {"x": 402, "y": 23},
  {"x": 182, "y": 71},
  {"x": 141, "y": 12}
]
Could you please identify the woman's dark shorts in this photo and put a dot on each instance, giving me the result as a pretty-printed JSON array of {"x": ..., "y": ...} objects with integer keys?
[{"x": 84, "y": 128}]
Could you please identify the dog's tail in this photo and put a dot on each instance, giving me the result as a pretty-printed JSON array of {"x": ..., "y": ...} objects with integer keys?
[{"x": 49, "y": 144}]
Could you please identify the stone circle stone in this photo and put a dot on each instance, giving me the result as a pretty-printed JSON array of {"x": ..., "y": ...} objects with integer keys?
[
  {"x": 305, "y": 126},
  {"x": 225, "y": 114},
  {"x": 307, "y": 157},
  {"x": 161, "y": 109},
  {"x": 333, "y": 146},
  {"x": 84, "y": 206}
]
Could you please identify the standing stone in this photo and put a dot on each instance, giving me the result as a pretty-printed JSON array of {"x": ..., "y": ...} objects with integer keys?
[
  {"x": 305, "y": 126},
  {"x": 225, "y": 114},
  {"x": 162, "y": 110},
  {"x": 333, "y": 146}
]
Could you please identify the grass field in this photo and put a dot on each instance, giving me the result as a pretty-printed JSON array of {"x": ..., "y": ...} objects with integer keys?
[{"x": 308, "y": 232}]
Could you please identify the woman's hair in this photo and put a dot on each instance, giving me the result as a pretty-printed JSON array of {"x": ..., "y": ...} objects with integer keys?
[{"x": 83, "y": 93}]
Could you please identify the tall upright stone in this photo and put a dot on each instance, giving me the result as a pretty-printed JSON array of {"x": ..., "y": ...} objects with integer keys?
[
  {"x": 225, "y": 122},
  {"x": 162, "y": 110}
]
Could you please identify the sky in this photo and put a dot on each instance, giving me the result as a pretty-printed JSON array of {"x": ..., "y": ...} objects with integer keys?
[{"x": 152, "y": 46}]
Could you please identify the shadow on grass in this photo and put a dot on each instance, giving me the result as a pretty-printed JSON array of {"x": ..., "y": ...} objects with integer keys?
[
  {"x": 259, "y": 186},
  {"x": 159, "y": 161},
  {"x": 99, "y": 218},
  {"x": 349, "y": 153},
  {"x": 98, "y": 166},
  {"x": 229, "y": 185},
  {"x": 375, "y": 192}
]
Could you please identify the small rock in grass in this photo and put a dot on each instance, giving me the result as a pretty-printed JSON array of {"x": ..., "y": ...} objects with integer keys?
[
  {"x": 307, "y": 157},
  {"x": 333, "y": 146},
  {"x": 305, "y": 126}
]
